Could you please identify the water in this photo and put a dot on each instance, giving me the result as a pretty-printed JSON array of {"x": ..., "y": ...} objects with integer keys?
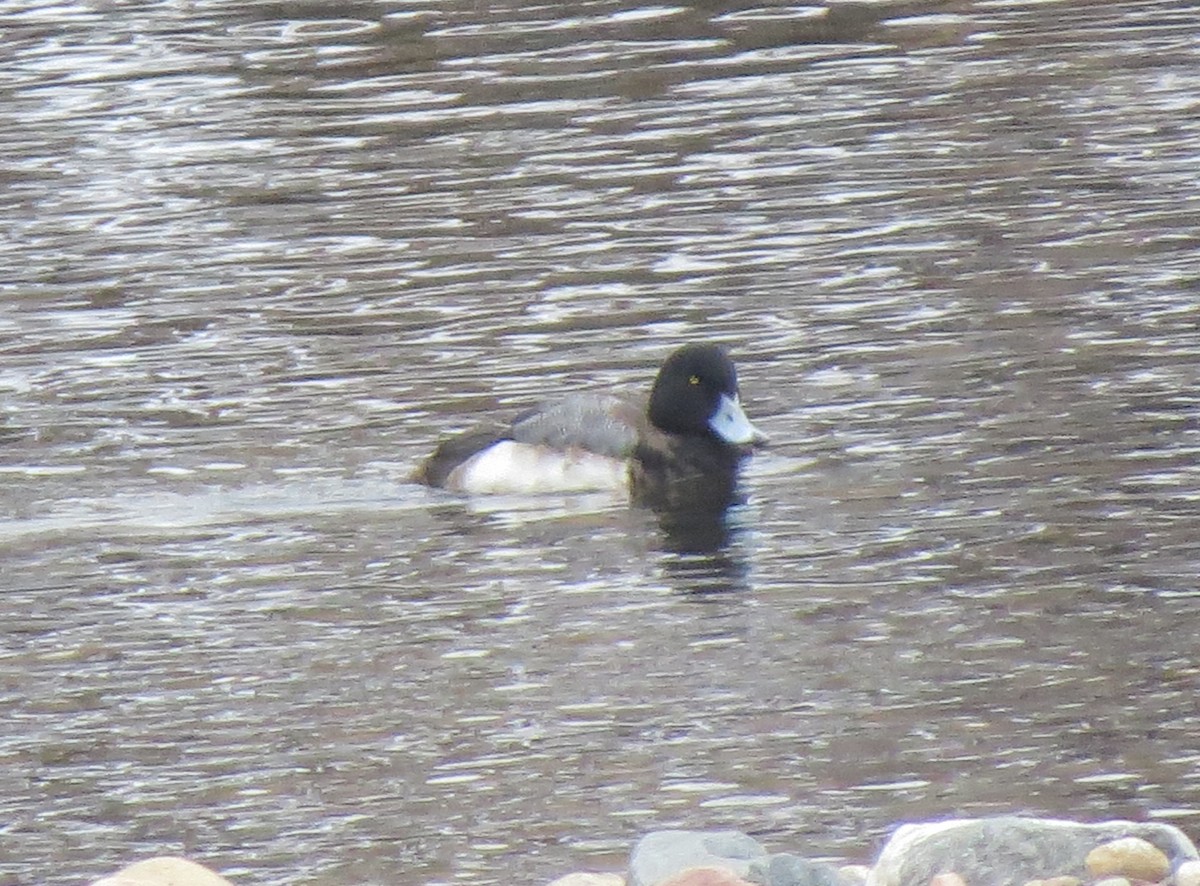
[{"x": 256, "y": 261}]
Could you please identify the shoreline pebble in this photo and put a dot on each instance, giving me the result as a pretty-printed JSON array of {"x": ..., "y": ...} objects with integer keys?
[{"x": 998, "y": 851}]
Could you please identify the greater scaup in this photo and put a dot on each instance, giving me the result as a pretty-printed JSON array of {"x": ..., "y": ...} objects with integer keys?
[{"x": 692, "y": 432}]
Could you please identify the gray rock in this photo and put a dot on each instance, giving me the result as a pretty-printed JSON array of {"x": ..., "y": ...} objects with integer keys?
[
  {"x": 660, "y": 854},
  {"x": 1008, "y": 851},
  {"x": 785, "y": 869}
]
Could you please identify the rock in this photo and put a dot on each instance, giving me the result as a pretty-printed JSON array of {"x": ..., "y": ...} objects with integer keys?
[
  {"x": 164, "y": 871},
  {"x": 1058, "y": 881},
  {"x": 1188, "y": 874},
  {"x": 1009, "y": 850},
  {"x": 1130, "y": 857},
  {"x": 660, "y": 854},
  {"x": 705, "y": 876},
  {"x": 586, "y": 878},
  {"x": 785, "y": 869},
  {"x": 1112, "y": 881}
]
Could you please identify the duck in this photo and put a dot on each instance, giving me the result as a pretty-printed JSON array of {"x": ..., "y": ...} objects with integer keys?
[{"x": 690, "y": 435}]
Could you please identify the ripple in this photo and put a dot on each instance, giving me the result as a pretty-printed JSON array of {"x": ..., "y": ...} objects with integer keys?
[{"x": 261, "y": 260}]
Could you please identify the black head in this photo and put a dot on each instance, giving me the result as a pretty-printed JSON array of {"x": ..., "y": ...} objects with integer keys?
[{"x": 696, "y": 394}]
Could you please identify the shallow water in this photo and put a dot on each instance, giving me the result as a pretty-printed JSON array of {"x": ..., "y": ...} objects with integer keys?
[{"x": 258, "y": 260}]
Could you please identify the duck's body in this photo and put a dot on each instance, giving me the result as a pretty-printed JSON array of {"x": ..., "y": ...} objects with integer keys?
[{"x": 692, "y": 430}]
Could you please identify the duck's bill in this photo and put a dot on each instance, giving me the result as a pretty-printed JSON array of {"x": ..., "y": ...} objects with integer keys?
[{"x": 729, "y": 423}]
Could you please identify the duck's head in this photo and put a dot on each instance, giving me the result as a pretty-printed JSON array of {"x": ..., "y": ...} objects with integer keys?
[{"x": 696, "y": 394}]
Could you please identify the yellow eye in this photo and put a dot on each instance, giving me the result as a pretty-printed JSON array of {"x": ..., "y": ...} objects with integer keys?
[{"x": 694, "y": 380}]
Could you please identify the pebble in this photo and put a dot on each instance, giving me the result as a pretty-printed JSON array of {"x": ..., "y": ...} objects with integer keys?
[
  {"x": 1112, "y": 881},
  {"x": 856, "y": 875},
  {"x": 164, "y": 871},
  {"x": 660, "y": 855},
  {"x": 705, "y": 876},
  {"x": 788, "y": 869},
  {"x": 1188, "y": 874},
  {"x": 947, "y": 879},
  {"x": 588, "y": 878},
  {"x": 1130, "y": 857},
  {"x": 1058, "y": 881}
]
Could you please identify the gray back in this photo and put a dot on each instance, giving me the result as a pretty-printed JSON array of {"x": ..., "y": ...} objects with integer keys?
[{"x": 601, "y": 423}]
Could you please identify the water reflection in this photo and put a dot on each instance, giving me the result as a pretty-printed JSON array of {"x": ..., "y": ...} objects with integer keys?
[{"x": 259, "y": 259}]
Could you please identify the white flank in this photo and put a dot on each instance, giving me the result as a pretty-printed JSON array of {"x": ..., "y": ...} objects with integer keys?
[{"x": 511, "y": 468}]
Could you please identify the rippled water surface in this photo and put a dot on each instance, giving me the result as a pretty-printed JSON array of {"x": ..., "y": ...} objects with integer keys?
[{"x": 257, "y": 258}]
